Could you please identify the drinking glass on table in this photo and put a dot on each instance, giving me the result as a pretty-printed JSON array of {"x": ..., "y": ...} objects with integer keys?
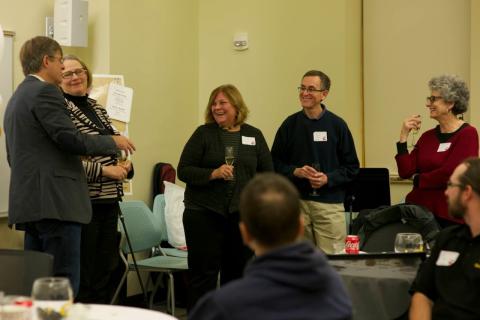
[
  {"x": 408, "y": 242},
  {"x": 318, "y": 168},
  {"x": 52, "y": 297},
  {"x": 229, "y": 158}
]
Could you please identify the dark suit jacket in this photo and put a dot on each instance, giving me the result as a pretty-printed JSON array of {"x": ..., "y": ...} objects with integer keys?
[{"x": 43, "y": 147}]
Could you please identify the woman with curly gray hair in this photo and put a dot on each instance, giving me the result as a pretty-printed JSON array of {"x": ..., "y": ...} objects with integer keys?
[{"x": 439, "y": 150}]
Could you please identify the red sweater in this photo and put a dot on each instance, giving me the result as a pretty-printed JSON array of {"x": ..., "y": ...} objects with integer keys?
[{"x": 434, "y": 167}]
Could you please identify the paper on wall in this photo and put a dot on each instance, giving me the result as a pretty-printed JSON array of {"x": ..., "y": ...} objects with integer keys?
[{"x": 119, "y": 102}]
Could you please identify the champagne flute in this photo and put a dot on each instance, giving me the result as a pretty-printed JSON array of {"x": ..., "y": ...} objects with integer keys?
[
  {"x": 416, "y": 130},
  {"x": 408, "y": 242},
  {"x": 52, "y": 297},
  {"x": 317, "y": 166},
  {"x": 229, "y": 158},
  {"x": 122, "y": 158}
]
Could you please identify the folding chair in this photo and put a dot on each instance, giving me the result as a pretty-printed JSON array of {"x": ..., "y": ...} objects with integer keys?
[
  {"x": 159, "y": 216},
  {"x": 143, "y": 236},
  {"x": 20, "y": 268},
  {"x": 370, "y": 189}
]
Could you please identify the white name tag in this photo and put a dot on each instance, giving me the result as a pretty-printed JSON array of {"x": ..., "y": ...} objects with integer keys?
[
  {"x": 250, "y": 141},
  {"x": 320, "y": 136},
  {"x": 444, "y": 146},
  {"x": 447, "y": 258}
]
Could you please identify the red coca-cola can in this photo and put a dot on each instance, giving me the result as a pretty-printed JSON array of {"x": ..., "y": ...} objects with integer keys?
[{"x": 352, "y": 244}]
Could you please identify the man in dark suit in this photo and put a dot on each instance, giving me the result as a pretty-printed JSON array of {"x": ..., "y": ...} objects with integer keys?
[{"x": 48, "y": 188}]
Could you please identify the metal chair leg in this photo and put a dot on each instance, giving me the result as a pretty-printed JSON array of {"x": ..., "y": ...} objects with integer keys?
[
  {"x": 122, "y": 280},
  {"x": 171, "y": 291}
]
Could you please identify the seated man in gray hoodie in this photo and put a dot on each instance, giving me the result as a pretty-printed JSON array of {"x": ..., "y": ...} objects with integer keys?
[{"x": 289, "y": 279}]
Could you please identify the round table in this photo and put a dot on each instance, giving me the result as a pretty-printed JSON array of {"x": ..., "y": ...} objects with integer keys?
[
  {"x": 378, "y": 287},
  {"x": 106, "y": 312}
]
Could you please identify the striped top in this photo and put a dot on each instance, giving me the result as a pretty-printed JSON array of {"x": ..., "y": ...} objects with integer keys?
[{"x": 80, "y": 109}]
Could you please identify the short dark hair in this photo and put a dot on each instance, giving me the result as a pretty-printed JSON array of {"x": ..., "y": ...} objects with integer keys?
[
  {"x": 270, "y": 209},
  {"x": 33, "y": 51},
  {"x": 471, "y": 176},
  {"x": 84, "y": 66},
  {"x": 323, "y": 78}
]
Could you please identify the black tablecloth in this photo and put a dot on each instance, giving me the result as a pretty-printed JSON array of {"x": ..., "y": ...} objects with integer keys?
[{"x": 378, "y": 287}]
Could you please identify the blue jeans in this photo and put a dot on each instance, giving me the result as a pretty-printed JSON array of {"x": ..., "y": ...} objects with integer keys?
[{"x": 60, "y": 239}]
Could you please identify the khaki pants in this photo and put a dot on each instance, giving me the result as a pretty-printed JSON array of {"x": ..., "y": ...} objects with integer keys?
[{"x": 325, "y": 225}]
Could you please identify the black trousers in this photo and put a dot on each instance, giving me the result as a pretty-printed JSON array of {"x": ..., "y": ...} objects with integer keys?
[
  {"x": 99, "y": 255},
  {"x": 214, "y": 245}
]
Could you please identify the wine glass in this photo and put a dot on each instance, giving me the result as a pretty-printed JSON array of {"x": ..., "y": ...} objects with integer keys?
[
  {"x": 408, "y": 242},
  {"x": 415, "y": 131},
  {"x": 122, "y": 159},
  {"x": 317, "y": 167},
  {"x": 52, "y": 298},
  {"x": 229, "y": 158}
]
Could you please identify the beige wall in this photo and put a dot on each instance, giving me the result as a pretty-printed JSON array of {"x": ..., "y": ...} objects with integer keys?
[
  {"x": 407, "y": 43},
  {"x": 402, "y": 51},
  {"x": 154, "y": 44},
  {"x": 475, "y": 63},
  {"x": 97, "y": 54},
  {"x": 174, "y": 52},
  {"x": 286, "y": 38}
]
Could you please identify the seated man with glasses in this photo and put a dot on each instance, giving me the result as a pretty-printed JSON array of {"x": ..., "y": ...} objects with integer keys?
[
  {"x": 439, "y": 150},
  {"x": 447, "y": 285},
  {"x": 315, "y": 150}
]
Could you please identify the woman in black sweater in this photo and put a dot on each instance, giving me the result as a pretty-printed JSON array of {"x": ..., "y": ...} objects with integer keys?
[{"x": 213, "y": 188}]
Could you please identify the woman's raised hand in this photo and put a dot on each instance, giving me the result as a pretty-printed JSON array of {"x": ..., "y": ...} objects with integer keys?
[{"x": 410, "y": 123}]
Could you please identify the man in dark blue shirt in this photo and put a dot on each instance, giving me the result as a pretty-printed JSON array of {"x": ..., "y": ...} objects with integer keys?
[
  {"x": 315, "y": 150},
  {"x": 289, "y": 279}
]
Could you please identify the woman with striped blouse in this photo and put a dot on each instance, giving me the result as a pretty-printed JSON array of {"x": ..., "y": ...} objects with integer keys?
[{"x": 99, "y": 245}]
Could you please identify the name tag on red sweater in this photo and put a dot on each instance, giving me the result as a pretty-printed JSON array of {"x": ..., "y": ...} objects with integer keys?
[{"x": 444, "y": 146}]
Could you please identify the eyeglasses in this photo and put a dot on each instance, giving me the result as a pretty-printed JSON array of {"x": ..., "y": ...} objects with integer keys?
[
  {"x": 432, "y": 99},
  {"x": 60, "y": 59},
  {"x": 451, "y": 184},
  {"x": 77, "y": 72},
  {"x": 309, "y": 89}
]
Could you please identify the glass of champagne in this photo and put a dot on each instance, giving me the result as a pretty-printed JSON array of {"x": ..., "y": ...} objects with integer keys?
[
  {"x": 415, "y": 131},
  {"x": 122, "y": 159},
  {"x": 229, "y": 158},
  {"x": 52, "y": 297},
  {"x": 408, "y": 242},
  {"x": 317, "y": 167}
]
